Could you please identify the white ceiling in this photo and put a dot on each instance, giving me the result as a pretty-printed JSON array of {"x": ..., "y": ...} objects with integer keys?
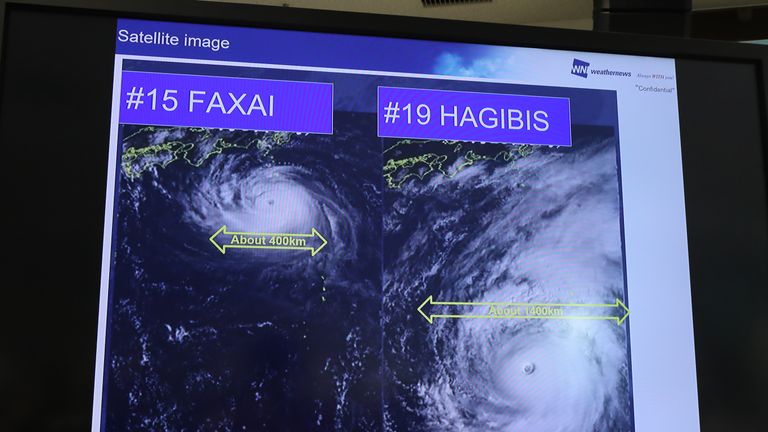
[{"x": 560, "y": 13}]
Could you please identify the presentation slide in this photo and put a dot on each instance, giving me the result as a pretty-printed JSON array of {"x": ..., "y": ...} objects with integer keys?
[{"x": 345, "y": 233}]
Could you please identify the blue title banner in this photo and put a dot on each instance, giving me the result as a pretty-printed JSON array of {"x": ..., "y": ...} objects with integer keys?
[
  {"x": 285, "y": 47},
  {"x": 229, "y": 103},
  {"x": 473, "y": 116}
]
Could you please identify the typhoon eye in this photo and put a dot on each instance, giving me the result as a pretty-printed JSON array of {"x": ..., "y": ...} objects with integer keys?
[{"x": 529, "y": 368}]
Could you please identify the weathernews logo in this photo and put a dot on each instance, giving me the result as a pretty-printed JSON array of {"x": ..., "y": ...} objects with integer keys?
[{"x": 580, "y": 68}]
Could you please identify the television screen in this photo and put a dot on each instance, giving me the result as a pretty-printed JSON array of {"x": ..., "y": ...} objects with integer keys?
[
  {"x": 348, "y": 232},
  {"x": 279, "y": 225}
]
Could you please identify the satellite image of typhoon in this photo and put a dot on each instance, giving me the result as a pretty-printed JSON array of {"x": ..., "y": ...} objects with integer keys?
[
  {"x": 500, "y": 223},
  {"x": 344, "y": 331},
  {"x": 208, "y": 338}
]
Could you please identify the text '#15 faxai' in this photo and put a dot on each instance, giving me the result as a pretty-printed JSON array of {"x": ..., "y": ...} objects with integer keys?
[{"x": 227, "y": 103}]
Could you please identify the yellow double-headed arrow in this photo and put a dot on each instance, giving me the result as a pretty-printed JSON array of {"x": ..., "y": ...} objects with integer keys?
[
  {"x": 274, "y": 241},
  {"x": 617, "y": 312}
]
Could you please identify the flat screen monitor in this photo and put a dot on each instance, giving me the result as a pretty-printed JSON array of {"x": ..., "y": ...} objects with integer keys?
[{"x": 234, "y": 218}]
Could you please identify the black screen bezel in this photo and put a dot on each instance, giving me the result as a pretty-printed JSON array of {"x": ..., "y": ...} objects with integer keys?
[{"x": 420, "y": 28}]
